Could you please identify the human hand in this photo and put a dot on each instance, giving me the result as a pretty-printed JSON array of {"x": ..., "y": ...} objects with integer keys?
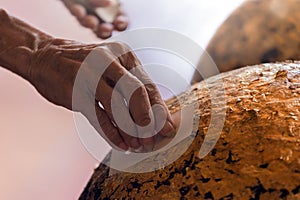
[
  {"x": 53, "y": 72},
  {"x": 101, "y": 28}
]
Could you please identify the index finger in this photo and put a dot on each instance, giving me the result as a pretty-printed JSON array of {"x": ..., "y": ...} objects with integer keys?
[
  {"x": 132, "y": 63},
  {"x": 132, "y": 89}
]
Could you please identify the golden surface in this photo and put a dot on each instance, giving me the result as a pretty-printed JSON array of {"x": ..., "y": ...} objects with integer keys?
[
  {"x": 257, "y": 155},
  {"x": 259, "y": 31}
]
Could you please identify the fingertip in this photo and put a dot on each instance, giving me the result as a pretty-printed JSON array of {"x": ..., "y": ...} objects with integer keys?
[
  {"x": 90, "y": 21},
  {"x": 175, "y": 119},
  {"x": 107, "y": 130},
  {"x": 144, "y": 121},
  {"x": 120, "y": 23},
  {"x": 104, "y": 30},
  {"x": 167, "y": 130},
  {"x": 139, "y": 105},
  {"x": 163, "y": 121},
  {"x": 78, "y": 11}
]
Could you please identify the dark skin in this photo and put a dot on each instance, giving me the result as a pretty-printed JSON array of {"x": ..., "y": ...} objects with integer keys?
[{"x": 51, "y": 66}]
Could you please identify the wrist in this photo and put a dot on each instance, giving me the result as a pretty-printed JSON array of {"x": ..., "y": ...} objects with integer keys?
[{"x": 18, "y": 42}]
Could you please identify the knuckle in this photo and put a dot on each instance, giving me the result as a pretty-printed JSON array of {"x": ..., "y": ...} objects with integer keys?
[
  {"x": 102, "y": 50},
  {"x": 119, "y": 47},
  {"x": 151, "y": 88},
  {"x": 114, "y": 72},
  {"x": 3, "y": 14}
]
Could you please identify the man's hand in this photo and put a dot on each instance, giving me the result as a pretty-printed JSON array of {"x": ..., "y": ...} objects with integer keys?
[
  {"x": 52, "y": 66},
  {"x": 53, "y": 71},
  {"x": 101, "y": 29}
]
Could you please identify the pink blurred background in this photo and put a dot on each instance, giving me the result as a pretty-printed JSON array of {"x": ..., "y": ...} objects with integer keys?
[{"x": 41, "y": 156}]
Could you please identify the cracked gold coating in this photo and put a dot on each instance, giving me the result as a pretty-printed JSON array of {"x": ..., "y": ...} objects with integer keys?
[{"x": 256, "y": 157}]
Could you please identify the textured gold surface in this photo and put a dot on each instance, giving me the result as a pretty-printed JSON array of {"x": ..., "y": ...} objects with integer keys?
[
  {"x": 259, "y": 31},
  {"x": 257, "y": 155}
]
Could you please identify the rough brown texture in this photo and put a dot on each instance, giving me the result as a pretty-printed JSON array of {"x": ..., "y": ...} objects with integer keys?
[
  {"x": 258, "y": 153},
  {"x": 256, "y": 157},
  {"x": 259, "y": 31}
]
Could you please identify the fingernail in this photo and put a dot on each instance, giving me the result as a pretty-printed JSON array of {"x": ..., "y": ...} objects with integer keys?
[
  {"x": 169, "y": 130},
  {"x": 105, "y": 34},
  {"x": 145, "y": 121},
  {"x": 169, "y": 127},
  {"x": 122, "y": 26},
  {"x": 123, "y": 146},
  {"x": 135, "y": 143}
]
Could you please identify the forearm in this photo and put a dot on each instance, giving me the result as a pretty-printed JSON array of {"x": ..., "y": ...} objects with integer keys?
[{"x": 18, "y": 42}]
